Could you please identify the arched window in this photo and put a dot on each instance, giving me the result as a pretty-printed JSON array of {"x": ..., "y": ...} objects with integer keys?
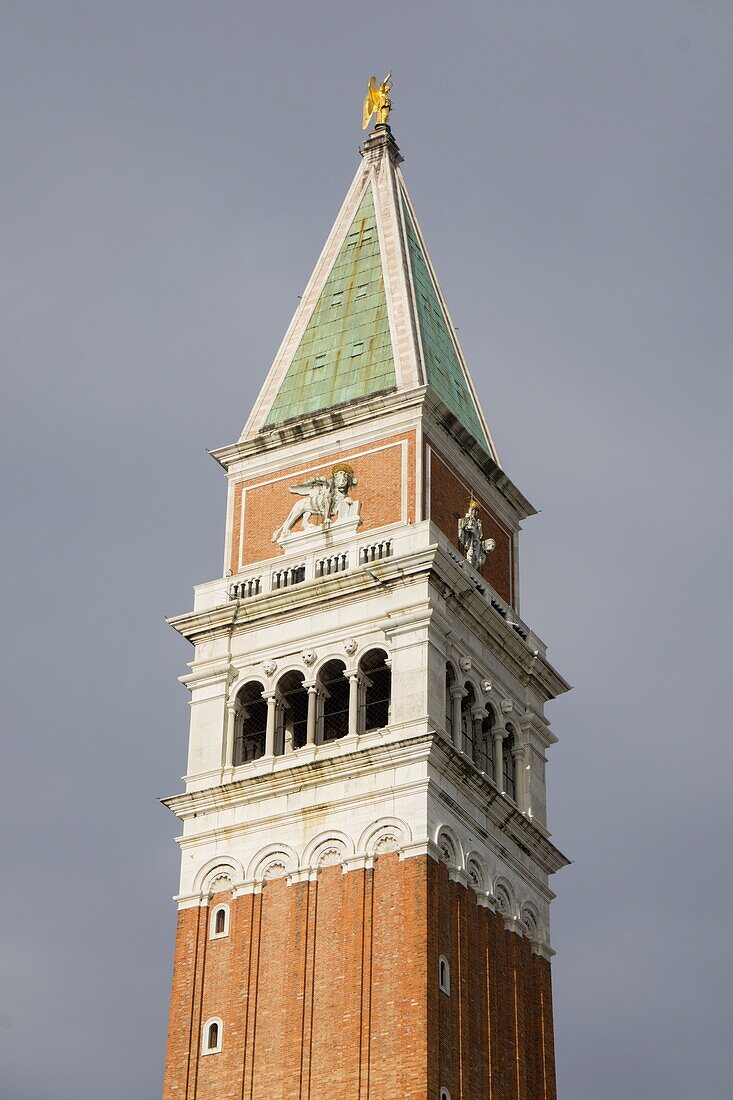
[
  {"x": 212, "y": 1036},
  {"x": 444, "y": 975},
  {"x": 377, "y": 689},
  {"x": 508, "y": 761},
  {"x": 335, "y": 701},
  {"x": 450, "y": 679},
  {"x": 219, "y": 926},
  {"x": 444, "y": 1094},
  {"x": 250, "y": 725},
  {"x": 485, "y": 760},
  {"x": 468, "y": 702},
  {"x": 292, "y": 726}
]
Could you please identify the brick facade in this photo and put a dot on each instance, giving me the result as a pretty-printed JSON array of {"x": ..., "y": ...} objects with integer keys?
[
  {"x": 449, "y": 496},
  {"x": 328, "y": 990},
  {"x": 266, "y": 501}
]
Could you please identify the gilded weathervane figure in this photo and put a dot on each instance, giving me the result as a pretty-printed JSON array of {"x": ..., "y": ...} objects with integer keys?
[{"x": 377, "y": 101}]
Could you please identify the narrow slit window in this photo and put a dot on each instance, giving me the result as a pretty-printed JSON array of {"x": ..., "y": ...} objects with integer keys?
[
  {"x": 357, "y": 349},
  {"x": 319, "y": 361},
  {"x": 212, "y": 1036},
  {"x": 444, "y": 975}
]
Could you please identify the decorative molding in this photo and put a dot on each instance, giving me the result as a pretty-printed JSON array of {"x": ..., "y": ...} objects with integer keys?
[{"x": 269, "y": 667}]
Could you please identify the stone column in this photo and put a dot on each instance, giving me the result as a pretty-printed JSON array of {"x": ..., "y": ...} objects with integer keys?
[
  {"x": 519, "y": 777},
  {"x": 228, "y": 751},
  {"x": 271, "y": 698},
  {"x": 499, "y": 758},
  {"x": 354, "y": 684},
  {"x": 457, "y": 693},
  {"x": 477, "y": 717},
  {"x": 312, "y": 714}
]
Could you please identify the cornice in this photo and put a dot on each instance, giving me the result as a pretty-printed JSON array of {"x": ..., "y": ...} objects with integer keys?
[
  {"x": 302, "y": 774},
  {"x": 460, "y": 592},
  {"x": 500, "y": 810},
  {"x": 319, "y": 424}
]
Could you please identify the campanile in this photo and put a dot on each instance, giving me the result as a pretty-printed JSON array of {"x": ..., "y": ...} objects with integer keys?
[{"x": 363, "y": 911}]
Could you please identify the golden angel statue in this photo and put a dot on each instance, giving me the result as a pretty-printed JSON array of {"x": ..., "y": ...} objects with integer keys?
[{"x": 377, "y": 101}]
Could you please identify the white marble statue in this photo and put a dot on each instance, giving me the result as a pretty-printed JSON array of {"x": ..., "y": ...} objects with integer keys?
[
  {"x": 327, "y": 497},
  {"x": 471, "y": 537}
]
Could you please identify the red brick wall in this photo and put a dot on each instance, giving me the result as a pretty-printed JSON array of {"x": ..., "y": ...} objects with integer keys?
[
  {"x": 328, "y": 990},
  {"x": 267, "y": 501},
  {"x": 449, "y": 496}
]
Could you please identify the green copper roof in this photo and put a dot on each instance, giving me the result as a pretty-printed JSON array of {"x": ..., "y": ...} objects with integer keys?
[
  {"x": 345, "y": 353},
  {"x": 444, "y": 372}
]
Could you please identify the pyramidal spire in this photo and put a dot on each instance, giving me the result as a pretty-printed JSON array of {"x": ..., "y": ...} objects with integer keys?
[{"x": 372, "y": 319}]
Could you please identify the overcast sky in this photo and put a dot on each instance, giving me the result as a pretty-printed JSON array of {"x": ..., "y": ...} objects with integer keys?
[{"x": 169, "y": 172}]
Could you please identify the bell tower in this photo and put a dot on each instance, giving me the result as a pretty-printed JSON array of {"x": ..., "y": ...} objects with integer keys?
[{"x": 363, "y": 911}]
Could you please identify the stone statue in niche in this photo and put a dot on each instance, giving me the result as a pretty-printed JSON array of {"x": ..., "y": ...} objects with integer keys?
[
  {"x": 471, "y": 537},
  {"x": 327, "y": 497}
]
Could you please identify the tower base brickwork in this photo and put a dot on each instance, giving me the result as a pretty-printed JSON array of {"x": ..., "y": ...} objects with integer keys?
[{"x": 331, "y": 986}]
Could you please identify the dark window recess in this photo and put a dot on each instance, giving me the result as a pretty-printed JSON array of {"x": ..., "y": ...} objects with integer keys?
[
  {"x": 250, "y": 725},
  {"x": 292, "y": 712},
  {"x": 213, "y": 1038},
  {"x": 378, "y": 689},
  {"x": 450, "y": 679},
  {"x": 468, "y": 702},
  {"x": 221, "y": 920},
  {"x": 336, "y": 701},
  {"x": 485, "y": 760},
  {"x": 508, "y": 762}
]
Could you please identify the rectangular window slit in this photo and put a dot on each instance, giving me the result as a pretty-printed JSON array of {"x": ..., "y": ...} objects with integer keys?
[
  {"x": 357, "y": 349},
  {"x": 361, "y": 291},
  {"x": 319, "y": 361}
]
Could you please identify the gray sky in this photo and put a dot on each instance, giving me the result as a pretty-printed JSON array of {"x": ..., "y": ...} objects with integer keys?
[{"x": 169, "y": 172}]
